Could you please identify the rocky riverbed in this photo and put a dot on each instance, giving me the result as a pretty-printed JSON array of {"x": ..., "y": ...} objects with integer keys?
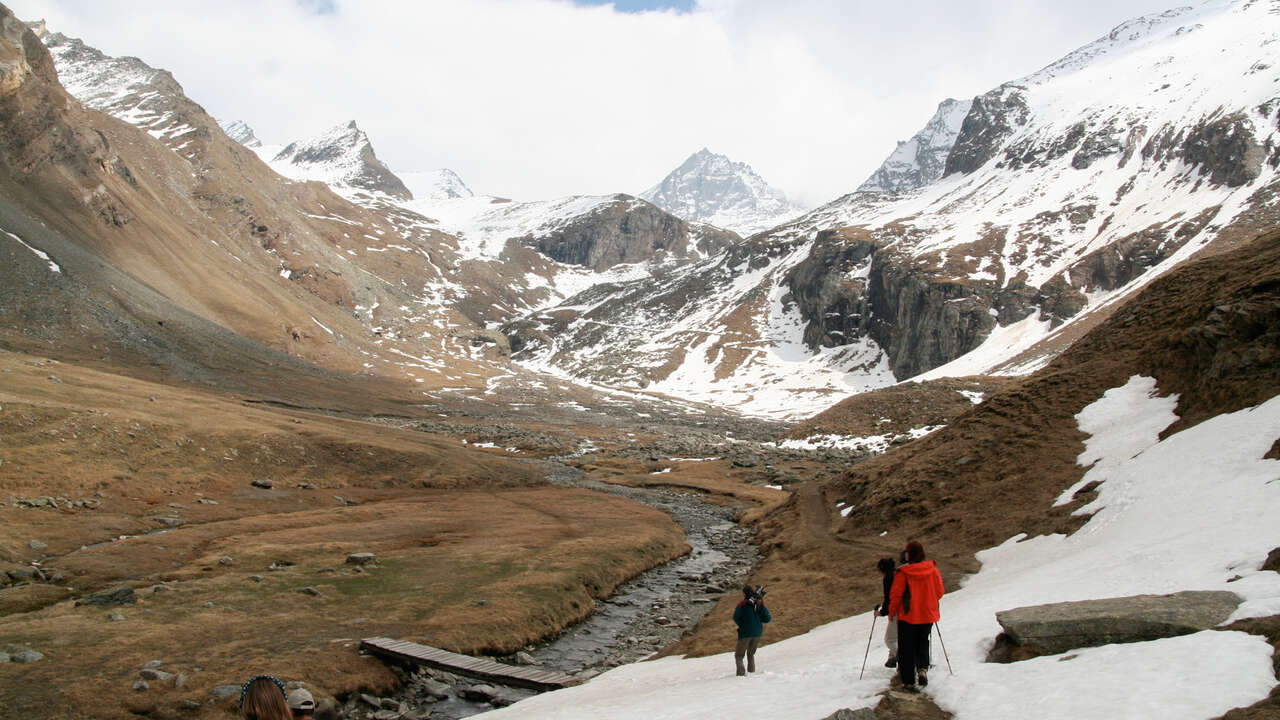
[{"x": 643, "y": 616}]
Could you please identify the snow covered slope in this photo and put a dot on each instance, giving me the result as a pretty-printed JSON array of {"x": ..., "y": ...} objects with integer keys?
[
  {"x": 1183, "y": 524},
  {"x": 440, "y": 184},
  {"x": 713, "y": 189},
  {"x": 1063, "y": 193},
  {"x": 920, "y": 161},
  {"x": 340, "y": 157}
]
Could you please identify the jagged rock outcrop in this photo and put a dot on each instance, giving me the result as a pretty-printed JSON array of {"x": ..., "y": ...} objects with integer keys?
[
  {"x": 625, "y": 230},
  {"x": 992, "y": 119},
  {"x": 921, "y": 160},
  {"x": 1059, "y": 627}
]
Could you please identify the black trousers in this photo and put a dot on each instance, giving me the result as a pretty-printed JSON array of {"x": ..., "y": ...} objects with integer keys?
[{"x": 913, "y": 650}]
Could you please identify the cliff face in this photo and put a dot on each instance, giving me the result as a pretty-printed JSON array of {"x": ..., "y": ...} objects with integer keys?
[{"x": 626, "y": 230}]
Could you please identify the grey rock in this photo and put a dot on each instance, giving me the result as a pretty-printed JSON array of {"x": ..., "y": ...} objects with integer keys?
[
  {"x": 434, "y": 688},
  {"x": 390, "y": 704},
  {"x": 141, "y": 686},
  {"x": 26, "y": 656},
  {"x": 1060, "y": 627},
  {"x": 154, "y": 674},
  {"x": 161, "y": 588},
  {"x": 483, "y": 692},
  {"x": 20, "y": 574},
  {"x": 524, "y": 658},
  {"x": 170, "y": 521},
  {"x": 180, "y": 680},
  {"x": 386, "y": 715},
  {"x": 226, "y": 560},
  {"x": 847, "y": 714},
  {"x": 372, "y": 701},
  {"x": 153, "y": 664},
  {"x": 309, "y": 591},
  {"x": 4, "y": 657},
  {"x": 361, "y": 558},
  {"x": 224, "y": 692},
  {"x": 264, "y": 483},
  {"x": 37, "y": 545},
  {"x": 122, "y": 595},
  {"x": 116, "y": 617},
  {"x": 189, "y": 704},
  {"x": 207, "y": 603},
  {"x": 257, "y": 578}
]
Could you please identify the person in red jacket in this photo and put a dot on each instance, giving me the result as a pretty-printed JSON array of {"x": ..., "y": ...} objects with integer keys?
[{"x": 913, "y": 599}]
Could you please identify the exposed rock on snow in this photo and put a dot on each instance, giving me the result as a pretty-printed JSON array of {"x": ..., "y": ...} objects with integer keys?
[{"x": 1059, "y": 627}]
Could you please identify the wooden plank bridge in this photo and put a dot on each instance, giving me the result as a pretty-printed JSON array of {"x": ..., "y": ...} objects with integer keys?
[{"x": 514, "y": 675}]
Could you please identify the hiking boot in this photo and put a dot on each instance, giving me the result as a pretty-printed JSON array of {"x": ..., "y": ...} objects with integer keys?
[
  {"x": 892, "y": 662},
  {"x": 922, "y": 679}
]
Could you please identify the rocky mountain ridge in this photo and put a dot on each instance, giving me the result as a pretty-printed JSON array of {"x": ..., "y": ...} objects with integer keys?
[
  {"x": 711, "y": 188},
  {"x": 1058, "y": 199}
]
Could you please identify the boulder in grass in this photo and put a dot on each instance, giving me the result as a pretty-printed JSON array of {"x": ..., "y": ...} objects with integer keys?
[
  {"x": 1060, "y": 627},
  {"x": 122, "y": 595},
  {"x": 362, "y": 558}
]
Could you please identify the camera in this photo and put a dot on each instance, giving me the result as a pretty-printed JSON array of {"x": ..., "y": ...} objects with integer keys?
[{"x": 757, "y": 595}]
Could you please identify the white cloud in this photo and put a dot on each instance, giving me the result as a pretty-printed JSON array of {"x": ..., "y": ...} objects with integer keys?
[{"x": 540, "y": 98}]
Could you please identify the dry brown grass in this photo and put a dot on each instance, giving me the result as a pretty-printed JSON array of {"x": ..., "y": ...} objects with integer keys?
[{"x": 474, "y": 553}]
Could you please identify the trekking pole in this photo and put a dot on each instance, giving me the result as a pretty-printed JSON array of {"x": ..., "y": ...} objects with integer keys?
[
  {"x": 943, "y": 643},
  {"x": 871, "y": 634}
]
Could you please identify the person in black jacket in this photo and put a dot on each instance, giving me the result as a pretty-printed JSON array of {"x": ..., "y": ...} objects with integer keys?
[{"x": 887, "y": 567}]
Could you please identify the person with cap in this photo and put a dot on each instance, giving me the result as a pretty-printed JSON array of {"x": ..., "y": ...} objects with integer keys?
[
  {"x": 262, "y": 698},
  {"x": 301, "y": 704},
  {"x": 913, "y": 599},
  {"x": 888, "y": 569}
]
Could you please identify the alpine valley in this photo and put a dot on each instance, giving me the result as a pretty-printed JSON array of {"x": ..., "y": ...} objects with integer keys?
[{"x": 262, "y": 398}]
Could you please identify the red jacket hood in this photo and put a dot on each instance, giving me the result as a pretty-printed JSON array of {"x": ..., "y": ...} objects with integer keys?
[{"x": 920, "y": 569}]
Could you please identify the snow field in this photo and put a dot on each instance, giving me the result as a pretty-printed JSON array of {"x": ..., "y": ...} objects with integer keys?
[{"x": 1190, "y": 512}]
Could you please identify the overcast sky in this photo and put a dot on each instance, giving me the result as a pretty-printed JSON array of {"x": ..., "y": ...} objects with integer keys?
[{"x": 535, "y": 99}]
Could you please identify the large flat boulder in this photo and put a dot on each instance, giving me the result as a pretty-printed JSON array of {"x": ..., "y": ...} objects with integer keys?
[{"x": 1059, "y": 627}]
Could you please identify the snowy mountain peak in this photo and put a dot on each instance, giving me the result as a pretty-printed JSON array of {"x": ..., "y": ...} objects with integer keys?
[
  {"x": 440, "y": 184},
  {"x": 240, "y": 131},
  {"x": 919, "y": 161},
  {"x": 341, "y": 157},
  {"x": 713, "y": 189}
]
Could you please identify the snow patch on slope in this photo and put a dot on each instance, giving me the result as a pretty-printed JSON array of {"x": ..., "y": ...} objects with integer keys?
[{"x": 1182, "y": 514}]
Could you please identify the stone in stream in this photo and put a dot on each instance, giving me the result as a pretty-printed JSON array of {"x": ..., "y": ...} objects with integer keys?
[
  {"x": 434, "y": 688},
  {"x": 483, "y": 692}
]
